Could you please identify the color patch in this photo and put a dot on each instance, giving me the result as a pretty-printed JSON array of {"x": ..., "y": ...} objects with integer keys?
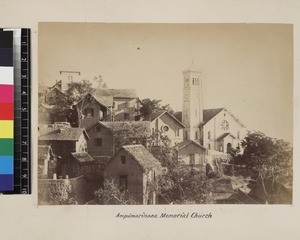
[
  {"x": 6, "y": 147},
  {"x": 6, "y": 57},
  {"x": 6, "y": 75},
  {"x": 6, "y": 129},
  {"x": 6, "y": 165},
  {"x": 6, "y": 111},
  {"x": 6, "y": 182},
  {"x": 6, "y": 93}
]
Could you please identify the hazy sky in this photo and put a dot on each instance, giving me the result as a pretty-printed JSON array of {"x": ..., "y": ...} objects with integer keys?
[{"x": 247, "y": 68}]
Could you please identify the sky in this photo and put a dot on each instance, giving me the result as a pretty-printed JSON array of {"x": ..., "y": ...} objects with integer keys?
[{"x": 246, "y": 68}]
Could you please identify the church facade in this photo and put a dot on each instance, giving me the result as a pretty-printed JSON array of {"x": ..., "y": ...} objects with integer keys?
[{"x": 217, "y": 130}]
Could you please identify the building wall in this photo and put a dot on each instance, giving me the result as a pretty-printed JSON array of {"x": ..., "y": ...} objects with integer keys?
[
  {"x": 124, "y": 106},
  {"x": 215, "y": 129},
  {"x": 54, "y": 97},
  {"x": 166, "y": 120},
  {"x": 131, "y": 169},
  {"x": 107, "y": 142},
  {"x": 199, "y": 154},
  {"x": 99, "y": 112}
]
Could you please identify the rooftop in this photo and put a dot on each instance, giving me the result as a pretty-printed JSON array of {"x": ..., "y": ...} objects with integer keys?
[
  {"x": 145, "y": 159},
  {"x": 82, "y": 157}
]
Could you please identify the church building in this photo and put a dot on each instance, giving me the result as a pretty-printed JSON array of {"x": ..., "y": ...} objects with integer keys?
[{"x": 218, "y": 130}]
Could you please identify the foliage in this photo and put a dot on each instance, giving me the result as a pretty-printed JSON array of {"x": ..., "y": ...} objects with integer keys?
[
  {"x": 150, "y": 106},
  {"x": 181, "y": 185},
  {"x": 128, "y": 133},
  {"x": 60, "y": 193},
  {"x": 112, "y": 195},
  {"x": 268, "y": 158},
  {"x": 76, "y": 90}
]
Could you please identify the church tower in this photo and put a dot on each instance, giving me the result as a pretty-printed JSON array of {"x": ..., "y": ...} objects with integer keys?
[{"x": 192, "y": 111}]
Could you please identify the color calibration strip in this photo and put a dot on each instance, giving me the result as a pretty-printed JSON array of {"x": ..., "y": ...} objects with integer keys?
[
  {"x": 20, "y": 144},
  {"x": 6, "y": 112}
]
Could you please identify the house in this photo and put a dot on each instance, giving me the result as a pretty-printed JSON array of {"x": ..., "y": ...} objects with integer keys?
[
  {"x": 125, "y": 105},
  {"x": 64, "y": 140},
  {"x": 54, "y": 96},
  {"x": 94, "y": 109},
  {"x": 165, "y": 124},
  {"x": 47, "y": 162},
  {"x": 192, "y": 154},
  {"x": 105, "y": 137},
  {"x": 81, "y": 164},
  {"x": 136, "y": 170}
]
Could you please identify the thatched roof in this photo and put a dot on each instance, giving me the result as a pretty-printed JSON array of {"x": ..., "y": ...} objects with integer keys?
[
  {"x": 62, "y": 134},
  {"x": 144, "y": 158},
  {"x": 82, "y": 157}
]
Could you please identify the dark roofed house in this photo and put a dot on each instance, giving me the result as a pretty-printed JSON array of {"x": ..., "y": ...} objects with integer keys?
[
  {"x": 136, "y": 170},
  {"x": 105, "y": 137},
  {"x": 64, "y": 140},
  {"x": 82, "y": 163}
]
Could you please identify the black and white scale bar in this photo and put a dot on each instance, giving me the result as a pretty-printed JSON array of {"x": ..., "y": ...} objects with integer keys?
[{"x": 22, "y": 127}]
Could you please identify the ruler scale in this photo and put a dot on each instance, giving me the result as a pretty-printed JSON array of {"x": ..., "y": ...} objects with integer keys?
[{"x": 22, "y": 164}]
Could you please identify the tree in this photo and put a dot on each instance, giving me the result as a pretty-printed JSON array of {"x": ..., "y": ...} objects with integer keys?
[
  {"x": 182, "y": 185},
  {"x": 128, "y": 133},
  {"x": 76, "y": 90},
  {"x": 60, "y": 193},
  {"x": 111, "y": 194},
  {"x": 268, "y": 158},
  {"x": 150, "y": 106}
]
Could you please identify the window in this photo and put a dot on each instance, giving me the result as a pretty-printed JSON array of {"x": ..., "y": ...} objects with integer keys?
[
  {"x": 221, "y": 148},
  {"x": 89, "y": 112},
  {"x": 126, "y": 104},
  {"x": 209, "y": 146},
  {"x": 98, "y": 129},
  {"x": 177, "y": 133},
  {"x": 123, "y": 159},
  {"x": 165, "y": 128},
  {"x": 192, "y": 159},
  {"x": 208, "y": 135},
  {"x": 238, "y": 134},
  {"x": 126, "y": 116},
  {"x": 98, "y": 142},
  {"x": 196, "y": 135},
  {"x": 123, "y": 182}
]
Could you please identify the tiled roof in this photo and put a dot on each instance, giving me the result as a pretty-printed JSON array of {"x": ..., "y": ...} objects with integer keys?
[
  {"x": 104, "y": 101},
  {"x": 144, "y": 158},
  {"x": 151, "y": 117},
  {"x": 116, "y": 93},
  {"x": 82, "y": 157},
  {"x": 61, "y": 134},
  {"x": 187, "y": 142}
]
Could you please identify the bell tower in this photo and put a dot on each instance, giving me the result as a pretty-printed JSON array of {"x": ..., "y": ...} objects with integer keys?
[{"x": 192, "y": 110}]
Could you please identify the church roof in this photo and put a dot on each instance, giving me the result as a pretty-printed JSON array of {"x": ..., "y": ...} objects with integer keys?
[
  {"x": 210, "y": 113},
  {"x": 224, "y": 136},
  {"x": 151, "y": 117}
]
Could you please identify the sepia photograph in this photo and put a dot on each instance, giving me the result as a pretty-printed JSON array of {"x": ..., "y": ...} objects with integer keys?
[{"x": 165, "y": 114}]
